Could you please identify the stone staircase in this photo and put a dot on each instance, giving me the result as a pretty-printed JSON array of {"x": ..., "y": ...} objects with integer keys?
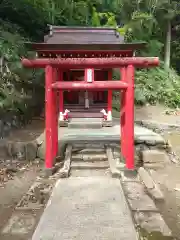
[
  {"x": 94, "y": 123},
  {"x": 89, "y": 162}
]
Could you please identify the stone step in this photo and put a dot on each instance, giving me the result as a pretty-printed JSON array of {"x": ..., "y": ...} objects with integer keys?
[
  {"x": 90, "y": 151},
  {"x": 90, "y": 172},
  {"x": 94, "y": 123},
  {"x": 85, "y": 115},
  {"x": 89, "y": 165},
  {"x": 86, "y": 145},
  {"x": 89, "y": 157}
]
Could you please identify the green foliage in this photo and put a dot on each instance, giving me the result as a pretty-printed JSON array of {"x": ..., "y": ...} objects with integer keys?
[
  {"x": 158, "y": 85},
  {"x": 11, "y": 42},
  {"x": 18, "y": 86},
  {"x": 95, "y": 20},
  {"x": 29, "y": 17},
  {"x": 144, "y": 20}
]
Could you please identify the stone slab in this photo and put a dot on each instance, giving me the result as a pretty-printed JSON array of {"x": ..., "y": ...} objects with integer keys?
[
  {"x": 93, "y": 123},
  {"x": 152, "y": 222},
  {"x": 155, "y": 156},
  {"x": 107, "y": 134},
  {"x": 159, "y": 125},
  {"x": 89, "y": 156},
  {"x": 64, "y": 171},
  {"x": 146, "y": 178},
  {"x": 89, "y": 165},
  {"x": 112, "y": 163},
  {"x": 110, "y": 135},
  {"x": 90, "y": 172},
  {"x": 95, "y": 146},
  {"x": 137, "y": 197},
  {"x": 128, "y": 176},
  {"x": 86, "y": 208},
  {"x": 20, "y": 223},
  {"x": 113, "y": 133},
  {"x": 22, "y": 150}
]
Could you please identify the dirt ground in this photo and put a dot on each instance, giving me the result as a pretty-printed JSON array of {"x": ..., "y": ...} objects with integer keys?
[
  {"x": 22, "y": 175},
  {"x": 169, "y": 177}
]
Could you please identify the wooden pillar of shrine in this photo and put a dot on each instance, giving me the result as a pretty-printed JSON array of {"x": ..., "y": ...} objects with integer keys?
[
  {"x": 51, "y": 118},
  {"x": 109, "y": 107},
  {"x": 122, "y": 113},
  {"x": 127, "y": 116},
  {"x": 61, "y": 98}
]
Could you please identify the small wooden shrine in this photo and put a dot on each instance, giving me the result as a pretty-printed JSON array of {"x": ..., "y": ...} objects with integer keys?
[
  {"x": 78, "y": 64},
  {"x": 83, "y": 42}
]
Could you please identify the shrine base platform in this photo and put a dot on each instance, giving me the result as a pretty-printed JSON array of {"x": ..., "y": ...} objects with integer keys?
[
  {"x": 106, "y": 135},
  {"x": 91, "y": 208}
]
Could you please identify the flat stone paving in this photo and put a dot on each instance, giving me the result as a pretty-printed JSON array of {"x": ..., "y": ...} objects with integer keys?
[
  {"x": 91, "y": 208},
  {"x": 114, "y": 132},
  {"x": 141, "y": 134}
]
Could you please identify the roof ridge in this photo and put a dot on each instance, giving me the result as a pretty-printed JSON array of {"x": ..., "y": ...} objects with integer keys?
[{"x": 51, "y": 27}]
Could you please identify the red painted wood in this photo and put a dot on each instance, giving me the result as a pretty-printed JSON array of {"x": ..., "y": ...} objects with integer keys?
[
  {"x": 49, "y": 113},
  {"x": 127, "y": 100},
  {"x": 129, "y": 118},
  {"x": 110, "y": 92},
  {"x": 85, "y": 53},
  {"x": 122, "y": 114},
  {"x": 61, "y": 99},
  {"x": 82, "y": 63},
  {"x": 100, "y": 85},
  {"x": 55, "y": 116}
]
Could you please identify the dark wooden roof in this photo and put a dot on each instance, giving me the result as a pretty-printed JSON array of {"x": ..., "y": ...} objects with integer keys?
[
  {"x": 82, "y": 35},
  {"x": 83, "y": 38},
  {"x": 63, "y": 47}
]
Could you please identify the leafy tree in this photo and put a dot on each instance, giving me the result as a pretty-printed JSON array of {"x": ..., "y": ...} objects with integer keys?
[{"x": 155, "y": 21}]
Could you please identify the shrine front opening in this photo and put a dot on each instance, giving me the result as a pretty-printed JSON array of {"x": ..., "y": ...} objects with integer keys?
[
  {"x": 84, "y": 103},
  {"x": 78, "y": 81}
]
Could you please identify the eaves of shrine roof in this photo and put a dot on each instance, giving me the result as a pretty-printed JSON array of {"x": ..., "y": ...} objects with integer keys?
[
  {"x": 83, "y": 35},
  {"x": 86, "y": 38}
]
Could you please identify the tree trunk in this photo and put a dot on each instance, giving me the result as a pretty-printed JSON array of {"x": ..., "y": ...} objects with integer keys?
[{"x": 168, "y": 46}]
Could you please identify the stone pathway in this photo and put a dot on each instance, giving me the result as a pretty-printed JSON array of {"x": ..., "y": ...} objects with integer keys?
[
  {"x": 86, "y": 208},
  {"x": 104, "y": 135},
  {"x": 97, "y": 162},
  {"x": 91, "y": 199}
]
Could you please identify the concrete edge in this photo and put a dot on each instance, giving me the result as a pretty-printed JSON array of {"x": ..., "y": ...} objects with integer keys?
[
  {"x": 155, "y": 125},
  {"x": 152, "y": 188},
  {"x": 114, "y": 171},
  {"x": 65, "y": 170}
]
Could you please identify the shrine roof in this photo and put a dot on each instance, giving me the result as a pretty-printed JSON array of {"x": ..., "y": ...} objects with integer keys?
[{"x": 83, "y": 38}]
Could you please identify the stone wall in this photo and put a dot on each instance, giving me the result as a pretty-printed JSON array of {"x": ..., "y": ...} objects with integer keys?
[
  {"x": 145, "y": 154},
  {"x": 149, "y": 156}
]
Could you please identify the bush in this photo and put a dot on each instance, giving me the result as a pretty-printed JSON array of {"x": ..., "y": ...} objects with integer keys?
[
  {"x": 156, "y": 85},
  {"x": 21, "y": 90}
]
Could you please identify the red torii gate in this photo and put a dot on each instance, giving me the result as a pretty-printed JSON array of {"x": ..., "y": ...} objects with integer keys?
[{"x": 54, "y": 68}]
